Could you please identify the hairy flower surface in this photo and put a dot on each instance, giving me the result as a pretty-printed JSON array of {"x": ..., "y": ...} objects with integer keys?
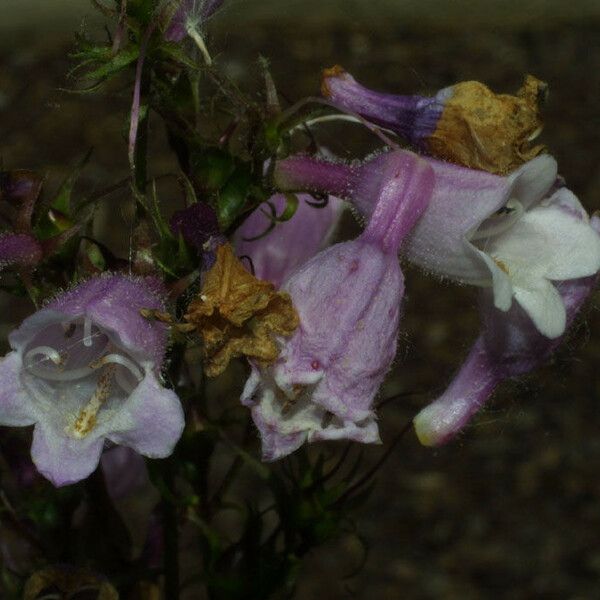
[
  {"x": 466, "y": 123},
  {"x": 509, "y": 233},
  {"x": 348, "y": 299},
  {"x": 508, "y": 346},
  {"x": 85, "y": 369},
  {"x": 277, "y": 254},
  {"x": 237, "y": 314}
]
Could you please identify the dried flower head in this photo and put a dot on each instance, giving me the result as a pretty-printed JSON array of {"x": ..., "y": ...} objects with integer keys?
[
  {"x": 488, "y": 131},
  {"x": 466, "y": 123},
  {"x": 237, "y": 314}
]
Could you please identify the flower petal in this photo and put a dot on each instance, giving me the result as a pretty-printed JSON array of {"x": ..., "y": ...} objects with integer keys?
[
  {"x": 62, "y": 459},
  {"x": 16, "y": 410},
  {"x": 533, "y": 180},
  {"x": 471, "y": 387},
  {"x": 547, "y": 242},
  {"x": 462, "y": 199},
  {"x": 151, "y": 420},
  {"x": 501, "y": 283},
  {"x": 291, "y": 243},
  {"x": 567, "y": 201},
  {"x": 544, "y": 305}
]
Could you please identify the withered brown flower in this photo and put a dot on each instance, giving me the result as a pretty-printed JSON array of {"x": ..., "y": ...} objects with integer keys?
[
  {"x": 492, "y": 132},
  {"x": 237, "y": 314},
  {"x": 465, "y": 123}
]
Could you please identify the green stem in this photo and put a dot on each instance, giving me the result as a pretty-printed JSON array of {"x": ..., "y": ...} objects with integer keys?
[{"x": 170, "y": 534}]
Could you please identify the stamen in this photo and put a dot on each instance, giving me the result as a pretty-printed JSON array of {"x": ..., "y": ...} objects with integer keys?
[
  {"x": 87, "y": 418},
  {"x": 118, "y": 359},
  {"x": 87, "y": 332},
  {"x": 46, "y": 351},
  {"x": 500, "y": 222},
  {"x": 501, "y": 265}
]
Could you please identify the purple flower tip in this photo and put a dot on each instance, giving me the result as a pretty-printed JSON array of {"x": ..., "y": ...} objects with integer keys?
[
  {"x": 19, "y": 249},
  {"x": 85, "y": 369},
  {"x": 413, "y": 117},
  {"x": 199, "y": 227},
  {"x": 186, "y": 12}
]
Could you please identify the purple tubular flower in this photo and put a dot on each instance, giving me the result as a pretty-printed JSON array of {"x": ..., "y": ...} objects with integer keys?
[
  {"x": 348, "y": 299},
  {"x": 19, "y": 249},
  {"x": 509, "y": 233},
  {"x": 413, "y": 117},
  {"x": 85, "y": 369},
  {"x": 190, "y": 14},
  {"x": 509, "y": 346},
  {"x": 277, "y": 254}
]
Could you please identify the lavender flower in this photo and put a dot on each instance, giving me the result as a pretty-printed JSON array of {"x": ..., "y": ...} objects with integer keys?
[
  {"x": 187, "y": 19},
  {"x": 508, "y": 233},
  {"x": 189, "y": 15},
  {"x": 508, "y": 346},
  {"x": 85, "y": 369},
  {"x": 466, "y": 123},
  {"x": 277, "y": 254},
  {"x": 348, "y": 299}
]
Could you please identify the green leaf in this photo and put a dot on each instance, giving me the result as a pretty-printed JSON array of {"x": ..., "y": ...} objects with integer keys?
[
  {"x": 62, "y": 200},
  {"x": 211, "y": 168},
  {"x": 115, "y": 64},
  {"x": 232, "y": 198}
]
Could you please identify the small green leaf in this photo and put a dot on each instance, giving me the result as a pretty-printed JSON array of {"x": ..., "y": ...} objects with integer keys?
[
  {"x": 115, "y": 64},
  {"x": 232, "y": 198},
  {"x": 62, "y": 201}
]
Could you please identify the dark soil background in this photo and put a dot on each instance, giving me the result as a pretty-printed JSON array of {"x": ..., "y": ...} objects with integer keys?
[{"x": 512, "y": 508}]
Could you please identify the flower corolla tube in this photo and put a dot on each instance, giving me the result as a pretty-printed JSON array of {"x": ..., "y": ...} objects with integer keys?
[
  {"x": 508, "y": 346},
  {"x": 348, "y": 299},
  {"x": 508, "y": 233}
]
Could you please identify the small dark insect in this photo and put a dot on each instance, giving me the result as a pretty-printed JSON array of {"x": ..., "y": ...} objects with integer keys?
[{"x": 70, "y": 330}]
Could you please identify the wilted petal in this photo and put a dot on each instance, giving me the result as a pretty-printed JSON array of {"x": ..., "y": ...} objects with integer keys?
[{"x": 465, "y": 123}]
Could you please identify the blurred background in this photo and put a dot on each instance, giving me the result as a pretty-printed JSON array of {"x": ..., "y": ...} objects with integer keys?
[{"x": 512, "y": 508}]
